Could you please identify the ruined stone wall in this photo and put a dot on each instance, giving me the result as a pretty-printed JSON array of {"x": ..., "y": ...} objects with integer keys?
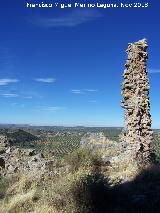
[{"x": 135, "y": 90}]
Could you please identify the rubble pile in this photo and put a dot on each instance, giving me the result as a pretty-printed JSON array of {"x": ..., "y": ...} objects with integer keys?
[{"x": 14, "y": 160}]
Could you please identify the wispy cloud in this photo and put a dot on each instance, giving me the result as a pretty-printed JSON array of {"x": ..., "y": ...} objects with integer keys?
[
  {"x": 45, "y": 80},
  {"x": 14, "y": 104},
  {"x": 54, "y": 108},
  {"x": 30, "y": 94},
  {"x": 10, "y": 95},
  {"x": 83, "y": 91},
  {"x": 153, "y": 71},
  {"x": 76, "y": 91},
  {"x": 50, "y": 108},
  {"x": 91, "y": 90},
  {"x": 72, "y": 19},
  {"x": 6, "y": 81}
]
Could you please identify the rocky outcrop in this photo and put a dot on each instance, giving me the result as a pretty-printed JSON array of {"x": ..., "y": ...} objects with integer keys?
[
  {"x": 112, "y": 152},
  {"x": 135, "y": 90},
  {"x": 14, "y": 160},
  {"x": 115, "y": 156},
  {"x": 94, "y": 141}
]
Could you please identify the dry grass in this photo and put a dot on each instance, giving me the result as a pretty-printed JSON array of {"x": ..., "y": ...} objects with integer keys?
[
  {"x": 18, "y": 195},
  {"x": 85, "y": 186},
  {"x": 48, "y": 194},
  {"x": 123, "y": 172}
]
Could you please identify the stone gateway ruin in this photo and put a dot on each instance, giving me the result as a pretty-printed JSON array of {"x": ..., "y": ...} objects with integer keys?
[{"x": 136, "y": 103}]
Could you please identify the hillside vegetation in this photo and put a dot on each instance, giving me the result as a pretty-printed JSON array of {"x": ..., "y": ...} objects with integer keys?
[{"x": 77, "y": 180}]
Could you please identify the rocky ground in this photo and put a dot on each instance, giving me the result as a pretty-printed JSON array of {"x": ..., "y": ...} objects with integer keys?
[
  {"x": 116, "y": 156},
  {"x": 98, "y": 178},
  {"x": 14, "y": 160}
]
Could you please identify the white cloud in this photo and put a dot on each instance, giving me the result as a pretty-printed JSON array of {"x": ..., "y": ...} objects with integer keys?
[
  {"x": 76, "y": 91},
  {"x": 53, "y": 108},
  {"x": 91, "y": 90},
  {"x": 6, "y": 81},
  {"x": 50, "y": 108},
  {"x": 153, "y": 71},
  {"x": 30, "y": 94},
  {"x": 83, "y": 91},
  {"x": 76, "y": 17},
  {"x": 45, "y": 80},
  {"x": 10, "y": 95}
]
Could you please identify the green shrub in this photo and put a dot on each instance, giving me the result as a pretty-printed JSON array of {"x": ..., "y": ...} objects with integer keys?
[{"x": 82, "y": 158}]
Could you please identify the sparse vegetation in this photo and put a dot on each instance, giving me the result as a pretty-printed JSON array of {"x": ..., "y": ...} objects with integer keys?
[
  {"x": 81, "y": 183},
  {"x": 81, "y": 189},
  {"x": 50, "y": 194},
  {"x": 59, "y": 140}
]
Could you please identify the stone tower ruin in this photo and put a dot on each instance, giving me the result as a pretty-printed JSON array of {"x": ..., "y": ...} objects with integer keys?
[{"x": 135, "y": 91}]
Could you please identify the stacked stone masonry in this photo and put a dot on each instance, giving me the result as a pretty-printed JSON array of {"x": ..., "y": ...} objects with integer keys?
[{"x": 136, "y": 103}]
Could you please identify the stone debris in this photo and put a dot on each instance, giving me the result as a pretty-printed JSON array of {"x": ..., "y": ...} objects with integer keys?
[
  {"x": 135, "y": 90},
  {"x": 99, "y": 143},
  {"x": 111, "y": 152},
  {"x": 95, "y": 141},
  {"x": 115, "y": 156},
  {"x": 14, "y": 160}
]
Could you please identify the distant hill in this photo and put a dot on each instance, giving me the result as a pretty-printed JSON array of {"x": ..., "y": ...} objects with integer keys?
[
  {"x": 14, "y": 125},
  {"x": 21, "y": 136}
]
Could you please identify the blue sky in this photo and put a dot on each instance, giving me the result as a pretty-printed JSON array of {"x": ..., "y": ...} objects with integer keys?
[{"x": 65, "y": 66}]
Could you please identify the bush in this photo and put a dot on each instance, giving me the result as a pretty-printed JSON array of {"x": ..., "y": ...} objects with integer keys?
[
  {"x": 83, "y": 158},
  {"x": 89, "y": 193}
]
